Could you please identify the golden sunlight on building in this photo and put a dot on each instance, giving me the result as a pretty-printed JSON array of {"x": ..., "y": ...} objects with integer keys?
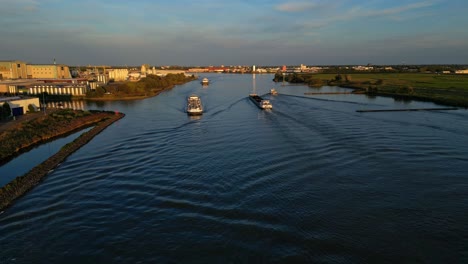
[{"x": 21, "y": 70}]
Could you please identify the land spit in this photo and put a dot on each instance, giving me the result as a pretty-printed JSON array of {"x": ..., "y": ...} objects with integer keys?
[{"x": 22, "y": 184}]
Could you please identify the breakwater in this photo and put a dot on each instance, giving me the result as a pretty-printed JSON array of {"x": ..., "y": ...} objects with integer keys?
[
  {"x": 39, "y": 130},
  {"x": 22, "y": 184}
]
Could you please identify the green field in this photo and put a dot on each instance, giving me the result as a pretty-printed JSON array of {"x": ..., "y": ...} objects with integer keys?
[
  {"x": 447, "y": 89},
  {"x": 415, "y": 80}
]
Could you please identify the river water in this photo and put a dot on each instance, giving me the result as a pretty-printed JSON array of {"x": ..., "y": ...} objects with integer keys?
[{"x": 310, "y": 181}]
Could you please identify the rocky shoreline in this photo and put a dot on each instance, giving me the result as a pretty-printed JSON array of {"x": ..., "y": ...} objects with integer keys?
[{"x": 19, "y": 186}]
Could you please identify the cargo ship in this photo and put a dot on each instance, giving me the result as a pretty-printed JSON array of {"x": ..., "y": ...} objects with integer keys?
[
  {"x": 194, "y": 105},
  {"x": 260, "y": 102}
]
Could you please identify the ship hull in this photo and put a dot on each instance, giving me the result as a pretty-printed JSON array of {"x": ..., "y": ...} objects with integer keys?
[
  {"x": 194, "y": 105},
  {"x": 260, "y": 102}
]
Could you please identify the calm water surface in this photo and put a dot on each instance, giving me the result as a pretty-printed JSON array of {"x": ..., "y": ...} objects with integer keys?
[
  {"x": 24, "y": 163},
  {"x": 310, "y": 181}
]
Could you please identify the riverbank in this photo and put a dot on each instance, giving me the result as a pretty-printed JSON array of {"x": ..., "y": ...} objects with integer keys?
[
  {"x": 150, "y": 86},
  {"x": 36, "y": 128},
  {"x": 22, "y": 184},
  {"x": 445, "y": 89}
]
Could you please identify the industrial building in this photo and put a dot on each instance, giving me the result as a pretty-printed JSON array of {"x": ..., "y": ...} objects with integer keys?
[
  {"x": 118, "y": 74},
  {"x": 52, "y": 71},
  {"x": 19, "y": 105},
  {"x": 13, "y": 70},
  {"x": 59, "y": 89},
  {"x": 16, "y": 69},
  {"x": 73, "y": 87}
]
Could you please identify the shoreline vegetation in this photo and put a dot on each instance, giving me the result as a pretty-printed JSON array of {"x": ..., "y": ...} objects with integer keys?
[
  {"x": 444, "y": 89},
  {"x": 51, "y": 126},
  {"x": 149, "y": 86}
]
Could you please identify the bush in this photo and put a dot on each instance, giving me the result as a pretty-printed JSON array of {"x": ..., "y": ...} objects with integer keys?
[
  {"x": 5, "y": 111},
  {"x": 31, "y": 108}
]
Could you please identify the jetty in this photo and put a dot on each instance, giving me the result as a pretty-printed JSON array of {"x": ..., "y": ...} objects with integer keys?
[{"x": 22, "y": 184}]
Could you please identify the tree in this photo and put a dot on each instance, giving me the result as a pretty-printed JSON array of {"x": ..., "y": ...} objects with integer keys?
[
  {"x": 6, "y": 110},
  {"x": 31, "y": 108}
]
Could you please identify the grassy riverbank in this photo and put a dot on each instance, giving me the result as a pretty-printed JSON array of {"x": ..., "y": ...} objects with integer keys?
[
  {"x": 42, "y": 128},
  {"x": 22, "y": 184},
  {"x": 447, "y": 89}
]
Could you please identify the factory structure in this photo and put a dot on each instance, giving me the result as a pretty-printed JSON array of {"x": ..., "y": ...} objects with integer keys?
[
  {"x": 19, "y": 77},
  {"x": 21, "y": 83},
  {"x": 21, "y": 70}
]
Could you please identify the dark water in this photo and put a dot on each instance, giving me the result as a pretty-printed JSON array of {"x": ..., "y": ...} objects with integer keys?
[
  {"x": 24, "y": 163},
  {"x": 311, "y": 181}
]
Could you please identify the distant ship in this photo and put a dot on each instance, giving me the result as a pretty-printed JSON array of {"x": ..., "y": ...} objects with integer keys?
[
  {"x": 194, "y": 105},
  {"x": 205, "y": 81},
  {"x": 260, "y": 102},
  {"x": 273, "y": 91}
]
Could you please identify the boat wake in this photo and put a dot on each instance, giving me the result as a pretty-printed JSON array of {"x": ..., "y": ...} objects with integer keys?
[{"x": 228, "y": 108}]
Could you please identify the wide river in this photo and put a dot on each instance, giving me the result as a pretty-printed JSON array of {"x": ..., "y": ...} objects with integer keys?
[{"x": 311, "y": 181}]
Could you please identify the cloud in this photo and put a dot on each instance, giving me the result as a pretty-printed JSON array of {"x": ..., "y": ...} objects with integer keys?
[
  {"x": 392, "y": 12},
  {"x": 398, "y": 10},
  {"x": 329, "y": 16},
  {"x": 18, "y": 7},
  {"x": 296, "y": 6}
]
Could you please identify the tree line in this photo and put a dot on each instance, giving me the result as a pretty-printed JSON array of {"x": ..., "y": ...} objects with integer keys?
[{"x": 148, "y": 86}]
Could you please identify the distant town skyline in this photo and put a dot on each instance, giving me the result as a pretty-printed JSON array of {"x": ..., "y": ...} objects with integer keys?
[{"x": 207, "y": 32}]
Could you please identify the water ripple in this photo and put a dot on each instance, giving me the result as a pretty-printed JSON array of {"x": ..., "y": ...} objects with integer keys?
[{"x": 310, "y": 181}]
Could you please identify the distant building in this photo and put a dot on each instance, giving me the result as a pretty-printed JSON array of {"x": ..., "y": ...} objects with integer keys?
[
  {"x": 52, "y": 71},
  {"x": 194, "y": 70},
  {"x": 462, "y": 71},
  {"x": 363, "y": 68},
  {"x": 15, "y": 86},
  {"x": 20, "y": 70},
  {"x": 74, "y": 89},
  {"x": 134, "y": 75},
  {"x": 166, "y": 72},
  {"x": 118, "y": 74},
  {"x": 102, "y": 79},
  {"x": 19, "y": 105},
  {"x": 13, "y": 69}
]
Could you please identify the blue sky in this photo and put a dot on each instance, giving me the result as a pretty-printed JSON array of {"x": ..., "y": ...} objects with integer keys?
[{"x": 208, "y": 32}]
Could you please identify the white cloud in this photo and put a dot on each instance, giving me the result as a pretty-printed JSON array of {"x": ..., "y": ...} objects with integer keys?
[
  {"x": 296, "y": 6},
  {"x": 356, "y": 12},
  {"x": 16, "y": 7},
  {"x": 398, "y": 10}
]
